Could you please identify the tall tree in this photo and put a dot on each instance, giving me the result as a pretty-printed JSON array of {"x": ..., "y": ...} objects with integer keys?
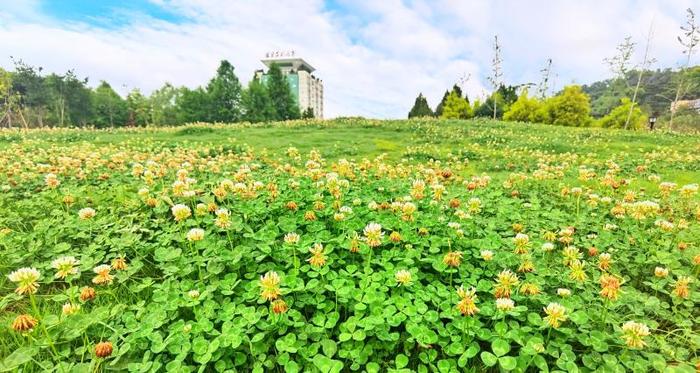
[
  {"x": 192, "y": 105},
  {"x": 689, "y": 40},
  {"x": 441, "y": 105},
  {"x": 163, "y": 103},
  {"x": 257, "y": 102},
  {"x": 70, "y": 99},
  {"x": 28, "y": 83},
  {"x": 138, "y": 108},
  {"x": 420, "y": 108},
  {"x": 109, "y": 108},
  {"x": 224, "y": 92},
  {"x": 283, "y": 100}
]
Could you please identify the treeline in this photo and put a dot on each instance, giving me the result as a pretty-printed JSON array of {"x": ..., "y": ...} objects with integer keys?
[
  {"x": 628, "y": 100},
  {"x": 32, "y": 99}
]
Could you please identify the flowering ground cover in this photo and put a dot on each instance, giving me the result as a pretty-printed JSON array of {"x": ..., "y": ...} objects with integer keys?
[{"x": 349, "y": 245}]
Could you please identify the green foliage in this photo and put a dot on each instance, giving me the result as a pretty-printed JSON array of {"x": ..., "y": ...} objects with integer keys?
[
  {"x": 138, "y": 109},
  {"x": 257, "y": 102},
  {"x": 456, "y": 107},
  {"x": 110, "y": 109},
  {"x": 525, "y": 109},
  {"x": 283, "y": 101},
  {"x": 618, "y": 116},
  {"x": 224, "y": 95},
  {"x": 420, "y": 108},
  {"x": 308, "y": 113},
  {"x": 163, "y": 105},
  {"x": 571, "y": 107}
]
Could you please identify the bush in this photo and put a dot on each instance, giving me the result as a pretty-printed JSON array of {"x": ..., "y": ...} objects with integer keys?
[
  {"x": 571, "y": 107},
  {"x": 618, "y": 116}
]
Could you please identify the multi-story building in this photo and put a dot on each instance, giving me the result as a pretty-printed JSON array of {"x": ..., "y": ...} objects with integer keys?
[{"x": 306, "y": 88}]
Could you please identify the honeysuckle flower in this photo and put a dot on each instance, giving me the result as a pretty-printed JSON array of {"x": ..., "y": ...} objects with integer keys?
[
  {"x": 504, "y": 304},
  {"x": 65, "y": 266},
  {"x": 318, "y": 257},
  {"x": 556, "y": 314},
  {"x": 26, "y": 280},
  {"x": 660, "y": 272},
  {"x": 70, "y": 308},
  {"x": 291, "y": 238},
  {"x": 86, "y": 213},
  {"x": 467, "y": 302},
  {"x": 24, "y": 323},
  {"x": 403, "y": 277},
  {"x": 487, "y": 255},
  {"x": 269, "y": 284},
  {"x": 181, "y": 212},
  {"x": 103, "y": 276},
  {"x": 373, "y": 234},
  {"x": 453, "y": 258},
  {"x": 633, "y": 334},
  {"x": 195, "y": 234}
]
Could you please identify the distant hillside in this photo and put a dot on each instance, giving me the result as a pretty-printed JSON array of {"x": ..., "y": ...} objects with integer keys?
[{"x": 657, "y": 91}]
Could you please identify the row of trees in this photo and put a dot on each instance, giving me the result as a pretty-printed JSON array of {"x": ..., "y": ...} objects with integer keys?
[
  {"x": 31, "y": 99},
  {"x": 624, "y": 101}
]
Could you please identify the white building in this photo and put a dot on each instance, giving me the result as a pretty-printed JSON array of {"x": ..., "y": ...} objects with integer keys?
[{"x": 306, "y": 88}]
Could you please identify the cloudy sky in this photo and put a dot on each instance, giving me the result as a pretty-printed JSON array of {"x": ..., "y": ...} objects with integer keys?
[{"x": 373, "y": 56}]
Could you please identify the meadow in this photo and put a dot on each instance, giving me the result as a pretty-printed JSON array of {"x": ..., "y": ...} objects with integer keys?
[{"x": 349, "y": 245}]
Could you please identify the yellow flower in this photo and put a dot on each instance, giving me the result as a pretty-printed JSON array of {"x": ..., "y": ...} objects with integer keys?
[
  {"x": 504, "y": 281},
  {"x": 577, "y": 273},
  {"x": 530, "y": 289},
  {"x": 279, "y": 306},
  {"x": 119, "y": 264},
  {"x": 604, "y": 261},
  {"x": 403, "y": 277},
  {"x": 70, "y": 308},
  {"x": 522, "y": 243},
  {"x": 195, "y": 234},
  {"x": 103, "y": 277},
  {"x": 269, "y": 284},
  {"x": 556, "y": 314},
  {"x": 51, "y": 181},
  {"x": 453, "y": 258},
  {"x": 24, "y": 323},
  {"x": 634, "y": 333},
  {"x": 291, "y": 238},
  {"x": 181, "y": 212},
  {"x": 395, "y": 237},
  {"x": 26, "y": 279},
  {"x": 65, "y": 266},
  {"x": 571, "y": 254},
  {"x": 223, "y": 218},
  {"x": 318, "y": 258},
  {"x": 467, "y": 303},
  {"x": 86, "y": 213},
  {"x": 660, "y": 272},
  {"x": 681, "y": 287},
  {"x": 373, "y": 234}
]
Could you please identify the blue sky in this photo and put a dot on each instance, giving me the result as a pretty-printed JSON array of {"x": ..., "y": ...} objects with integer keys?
[{"x": 373, "y": 56}]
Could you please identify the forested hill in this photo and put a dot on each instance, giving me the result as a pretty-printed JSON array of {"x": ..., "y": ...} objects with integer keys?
[{"x": 657, "y": 90}]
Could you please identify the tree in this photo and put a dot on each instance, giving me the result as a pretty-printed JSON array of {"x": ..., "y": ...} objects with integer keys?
[
  {"x": 441, "y": 105},
  {"x": 690, "y": 39},
  {"x": 108, "y": 107},
  {"x": 163, "y": 104},
  {"x": 224, "y": 92},
  {"x": 28, "y": 83},
  {"x": 9, "y": 100},
  {"x": 617, "y": 118},
  {"x": 283, "y": 102},
  {"x": 69, "y": 98},
  {"x": 524, "y": 109},
  {"x": 139, "y": 112},
  {"x": 192, "y": 105},
  {"x": 571, "y": 107},
  {"x": 308, "y": 113},
  {"x": 420, "y": 108},
  {"x": 495, "y": 79},
  {"x": 456, "y": 107},
  {"x": 257, "y": 103},
  {"x": 499, "y": 101}
]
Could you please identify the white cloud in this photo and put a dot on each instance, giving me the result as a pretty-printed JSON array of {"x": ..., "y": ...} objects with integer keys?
[{"x": 374, "y": 57}]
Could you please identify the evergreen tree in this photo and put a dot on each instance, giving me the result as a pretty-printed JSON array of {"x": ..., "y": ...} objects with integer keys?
[
  {"x": 224, "y": 92},
  {"x": 109, "y": 108},
  {"x": 456, "y": 107},
  {"x": 308, "y": 113},
  {"x": 441, "y": 105},
  {"x": 192, "y": 105},
  {"x": 420, "y": 108},
  {"x": 283, "y": 102},
  {"x": 257, "y": 102}
]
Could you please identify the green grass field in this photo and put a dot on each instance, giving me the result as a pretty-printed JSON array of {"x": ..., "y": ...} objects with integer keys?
[{"x": 349, "y": 245}]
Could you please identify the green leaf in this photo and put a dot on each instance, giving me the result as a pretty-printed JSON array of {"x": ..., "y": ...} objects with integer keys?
[
  {"x": 488, "y": 358},
  {"x": 507, "y": 362},
  {"x": 500, "y": 347},
  {"x": 401, "y": 361},
  {"x": 326, "y": 364},
  {"x": 18, "y": 357}
]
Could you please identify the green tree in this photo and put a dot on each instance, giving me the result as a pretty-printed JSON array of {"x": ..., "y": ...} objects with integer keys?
[
  {"x": 192, "y": 105},
  {"x": 70, "y": 99},
  {"x": 441, "y": 105},
  {"x": 139, "y": 111},
  {"x": 618, "y": 116},
  {"x": 420, "y": 108},
  {"x": 163, "y": 103},
  {"x": 524, "y": 109},
  {"x": 571, "y": 107},
  {"x": 456, "y": 107},
  {"x": 283, "y": 102},
  {"x": 257, "y": 102},
  {"x": 308, "y": 113},
  {"x": 109, "y": 108},
  {"x": 224, "y": 92},
  {"x": 28, "y": 83}
]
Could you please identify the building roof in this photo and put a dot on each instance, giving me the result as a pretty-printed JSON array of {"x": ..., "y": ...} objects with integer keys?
[{"x": 293, "y": 62}]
